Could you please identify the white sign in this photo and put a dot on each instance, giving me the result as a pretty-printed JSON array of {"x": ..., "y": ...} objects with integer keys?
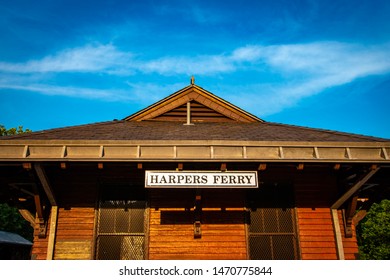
[{"x": 201, "y": 179}]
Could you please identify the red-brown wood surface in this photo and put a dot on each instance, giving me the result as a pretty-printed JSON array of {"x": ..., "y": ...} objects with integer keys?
[{"x": 171, "y": 231}]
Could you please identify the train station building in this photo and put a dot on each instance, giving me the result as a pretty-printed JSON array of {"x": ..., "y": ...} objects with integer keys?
[{"x": 192, "y": 177}]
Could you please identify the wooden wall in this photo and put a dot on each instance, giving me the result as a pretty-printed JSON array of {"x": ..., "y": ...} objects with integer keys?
[
  {"x": 171, "y": 233},
  {"x": 76, "y": 192},
  {"x": 39, "y": 248},
  {"x": 74, "y": 238},
  {"x": 172, "y": 214},
  {"x": 315, "y": 191}
]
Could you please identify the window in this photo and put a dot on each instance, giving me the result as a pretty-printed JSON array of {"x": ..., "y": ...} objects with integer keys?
[
  {"x": 121, "y": 224},
  {"x": 272, "y": 228}
]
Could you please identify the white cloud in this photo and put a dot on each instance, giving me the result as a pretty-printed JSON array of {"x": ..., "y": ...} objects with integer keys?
[
  {"x": 89, "y": 93},
  {"x": 101, "y": 58},
  {"x": 296, "y": 71}
]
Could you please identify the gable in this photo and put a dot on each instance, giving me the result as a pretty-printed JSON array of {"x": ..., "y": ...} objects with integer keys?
[{"x": 197, "y": 104}]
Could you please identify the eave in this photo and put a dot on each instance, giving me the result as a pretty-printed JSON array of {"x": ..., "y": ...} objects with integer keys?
[{"x": 193, "y": 151}]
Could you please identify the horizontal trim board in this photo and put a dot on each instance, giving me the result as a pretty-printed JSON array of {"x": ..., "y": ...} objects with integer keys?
[{"x": 197, "y": 151}]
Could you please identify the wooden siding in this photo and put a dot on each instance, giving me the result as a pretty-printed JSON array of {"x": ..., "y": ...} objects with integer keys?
[
  {"x": 171, "y": 229},
  {"x": 315, "y": 191},
  {"x": 316, "y": 234},
  {"x": 39, "y": 248},
  {"x": 76, "y": 192},
  {"x": 74, "y": 236},
  {"x": 199, "y": 113}
]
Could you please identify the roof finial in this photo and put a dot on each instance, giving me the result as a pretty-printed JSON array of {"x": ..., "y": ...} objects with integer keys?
[{"x": 192, "y": 80}]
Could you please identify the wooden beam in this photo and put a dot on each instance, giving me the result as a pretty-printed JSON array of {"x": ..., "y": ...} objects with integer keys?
[
  {"x": 337, "y": 233},
  {"x": 28, "y": 216},
  {"x": 52, "y": 232},
  {"x": 348, "y": 216},
  {"x": 359, "y": 216},
  {"x": 45, "y": 183},
  {"x": 39, "y": 214},
  {"x": 354, "y": 189},
  {"x": 179, "y": 167},
  {"x": 27, "y": 165},
  {"x": 262, "y": 166}
]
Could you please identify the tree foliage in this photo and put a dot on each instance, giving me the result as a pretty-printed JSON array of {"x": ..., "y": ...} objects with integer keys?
[
  {"x": 374, "y": 232},
  {"x": 12, "y": 131},
  {"x": 12, "y": 221},
  {"x": 10, "y": 218}
]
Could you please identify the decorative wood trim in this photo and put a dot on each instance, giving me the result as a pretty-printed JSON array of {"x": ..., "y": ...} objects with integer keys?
[
  {"x": 384, "y": 153},
  {"x": 244, "y": 155},
  {"x": 26, "y": 151},
  {"x": 316, "y": 154},
  {"x": 250, "y": 151},
  {"x": 185, "y": 95},
  {"x": 348, "y": 153},
  {"x": 64, "y": 151},
  {"x": 281, "y": 153}
]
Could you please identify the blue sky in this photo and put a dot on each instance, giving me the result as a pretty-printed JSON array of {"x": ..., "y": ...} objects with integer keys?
[{"x": 321, "y": 64}]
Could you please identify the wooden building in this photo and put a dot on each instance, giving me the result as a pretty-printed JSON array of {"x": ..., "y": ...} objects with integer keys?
[{"x": 227, "y": 185}]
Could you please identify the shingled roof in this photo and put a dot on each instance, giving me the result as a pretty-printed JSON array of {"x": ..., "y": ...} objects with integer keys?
[{"x": 150, "y": 130}]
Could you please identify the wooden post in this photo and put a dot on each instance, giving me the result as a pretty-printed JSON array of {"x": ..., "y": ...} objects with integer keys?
[
  {"x": 337, "y": 234},
  {"x": 52, "y": 232}
]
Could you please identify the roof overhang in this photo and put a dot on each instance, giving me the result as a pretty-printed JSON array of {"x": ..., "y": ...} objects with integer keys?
[{"x": 193, "y": 150}]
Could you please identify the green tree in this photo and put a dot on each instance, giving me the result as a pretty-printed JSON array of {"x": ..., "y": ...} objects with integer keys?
[
  {"x": 374, "y": 232},
  {"x": 13, "y": 130},
  {"x": 12, "y": 221},
  {"x": 10, "y": 218}
]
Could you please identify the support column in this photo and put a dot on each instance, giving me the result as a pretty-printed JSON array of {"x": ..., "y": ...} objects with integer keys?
[
  {"x": 337, "y": 234},
  {"x": 52, "y": 232}
]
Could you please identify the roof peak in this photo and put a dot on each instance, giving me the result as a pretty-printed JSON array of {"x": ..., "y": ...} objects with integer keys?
[{"x": 208, "y": 108}]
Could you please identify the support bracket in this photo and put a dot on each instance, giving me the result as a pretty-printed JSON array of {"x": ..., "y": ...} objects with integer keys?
[{"x": 348, "y": 216}]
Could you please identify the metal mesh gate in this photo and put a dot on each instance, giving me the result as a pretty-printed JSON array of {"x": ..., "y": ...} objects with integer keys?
[
  {"x": 121, "y": 225},
  {"x": 272, "y": 229}
]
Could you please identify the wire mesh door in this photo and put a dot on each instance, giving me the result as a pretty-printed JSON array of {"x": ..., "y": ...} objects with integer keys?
[
  {"x": 121, "y": 225},
  {"x": 272, "y": 228}
]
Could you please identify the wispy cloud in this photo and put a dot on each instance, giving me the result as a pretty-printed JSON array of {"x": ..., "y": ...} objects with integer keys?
[
  {"x": 100, "y": 58},
  {"x": 302, "y": 70}
]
